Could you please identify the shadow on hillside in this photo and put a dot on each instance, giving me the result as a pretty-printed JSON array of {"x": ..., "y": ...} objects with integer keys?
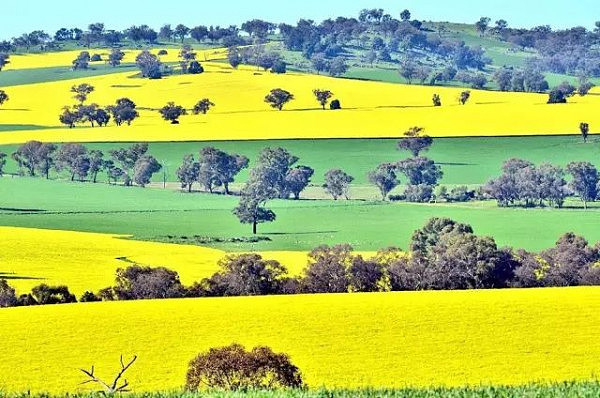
[{"x": 13, "y": 276}]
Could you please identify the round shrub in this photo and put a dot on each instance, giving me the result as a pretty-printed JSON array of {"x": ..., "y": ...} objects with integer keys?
[
  {"x": 195, "y": 68},
  {"x": 163, "y": 52},
  {"x": 96, "y": 58},
  {"x": 335, "y": 105},
  {"x": 233, "y": 368}
]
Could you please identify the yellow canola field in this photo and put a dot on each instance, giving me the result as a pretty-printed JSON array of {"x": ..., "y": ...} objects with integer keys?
[
  {"x": 65, "y": 58},
  {"x": 371, "y": 109},
  {"x": 347, "y": 340},
  {"x": 87, "y": 261}
]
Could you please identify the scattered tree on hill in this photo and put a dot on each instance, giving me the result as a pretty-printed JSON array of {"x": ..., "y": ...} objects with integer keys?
[
  {"x": 437, "y": 100},
  {"x": 584, "y": 181},
  {"x": 202, "y": 106},
  {"x": 405, "y": 15},
  {"x": 320, "y": 63},
  {"x": 138, "y": 282},
  {"x": 172, "y": 112},
  {"x": 199, "y": 33},
  {"x": 337, "y": 183},
  {"x": 34, "y": 155},
  {"x": 326, "y": 271},
  {"x": 277, "y": 98},
  {"x": 233, "y": 368},
  {"x": 423, "y": 175},
  {"x": 218, "y": 168},
  {"x": 96, "y": 162},
  {"x": 384, "y": 178},
  {"x": 195, "y": 68},
  {"x": 464, "y": 97},
  {"x": 124, "y": 111},
  {"x": 45, "y": 295},
  {"x": 82, "y": 61},
  {"x": 115, "y": 57},
  {"x": 415, "y": 142},
  {"x": 322, "y": 96},
  {"x": 559, "y": 94},
  {"x": 482, "y": 25},
  {"x": 165, "y": 32},
  {"x": 187, "y": 173},
  {"x": 408, "y": 70},
  {"x": 82, "y": 91},
  {"x": 584, "y": 128},
  {"x": 3, "y": 97}
]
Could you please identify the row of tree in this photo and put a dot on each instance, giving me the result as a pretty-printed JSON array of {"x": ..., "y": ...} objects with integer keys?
[
  {"x": 525, "y": 184},
  {"x": 130, "y": 165},
  {"x": 443, "y": 255}
]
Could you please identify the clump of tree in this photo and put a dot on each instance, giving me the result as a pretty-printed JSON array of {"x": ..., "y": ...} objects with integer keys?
[
  {"x": 584, "y": 129},
  {"x": 463, "y": 97},
  {"x": 135, "y": 165},
  {"x": 585, "y": 181},
  {"x": 384, "y": 178},
  {"x": 138, "y": 282},
  {"x": 278, "y": 98},
  {"x": 115, "y": 57},
  {"x": 34, "y": 156},
  {"x": 82, "y": 61},
  {"x": 234, "y": 368},
  {"x": 82, "y": 91},
  {"x": 525, "y": 184},
  {"x": 561, "y": 93}
]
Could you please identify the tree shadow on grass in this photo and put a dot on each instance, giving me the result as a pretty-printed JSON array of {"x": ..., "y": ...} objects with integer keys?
[{"x": 13, "y": 276}]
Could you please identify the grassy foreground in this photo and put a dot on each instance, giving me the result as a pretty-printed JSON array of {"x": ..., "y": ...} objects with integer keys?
[
  {"x": 381, "y": 340},
  {"x": 580, "y": 390}
]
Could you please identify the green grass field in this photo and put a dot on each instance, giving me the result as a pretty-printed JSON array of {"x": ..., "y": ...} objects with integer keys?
[
  {"x": 42, "y": 75},
  {"x": 463, "y": 160},
  {"x": 580, "y": 390},
  {"x": 154, "y": 214}
]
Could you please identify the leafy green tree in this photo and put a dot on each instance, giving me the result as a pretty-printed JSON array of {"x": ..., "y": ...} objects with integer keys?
[
  {"x": 199, "y": 33},
  {"x": 320, "y": 63},
  {"x": 45, "y": 295},
  {"x": 144, "y": 168},
  {"x": 482, "y": 25},
  {"x": 408, "y": 70},
  {"x": 384, "y": 178},
  {"x": 414, "y": 141},
  {"x": 127, "y": 158},
  {"x": 4, "y": 60},
  {"x": 69, "y": 116},
  {"x": 82, "y": 91},
  {"x": 172, "y": 112},
  {"x": 187, "y": 173},
  {"x": 96, "y": 162},
  {"x": 195, "y": 68},
  {"x": 115, "y": 57},
  {"x": 437, "y": 100},
  {"x": 124, "y": 111},
  {"x": 82, "y": 61},
  {"x": 202, "y": 106},
  {"x": 322, "y": 96},
  {"x": 338, "y": 66},
  {"x": 74, "y": 159},
  {"x": 251, "y": 210},
  {"x": 277, "y": 98},
  {"x": 234, "y": 57},
  {"x": 181, "y": 31},
  {"x": 8, "y": 298},
  {"x": 405, "y": 15},
  {"x": 35, "y": 155},
  {"x": 464, "y": 97},
  {"x": 297, "y": 179},
  {"x": 218, "y": 168},
  {"x": 327, "y": 269},
  {"x": 584, "y": 181},
  {"x": 420, "y": 170},
  {"x": 149, "y": 65},
  {"x": 337, "y": 183}
]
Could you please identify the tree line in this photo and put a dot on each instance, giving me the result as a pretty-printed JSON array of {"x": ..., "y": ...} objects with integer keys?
[
  {"x": 443, "y": 255},
  {"x": 525, "y": 184}
]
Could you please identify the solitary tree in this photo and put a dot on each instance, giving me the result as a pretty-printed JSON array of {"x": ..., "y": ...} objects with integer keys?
[
  {"x": 337, "y": 183},
  {"x": 124, "y": 111},
  {"x": 405, "y": 15},
  {"x": 437, "y": 100},
  {"x": 181, "y": 31},
  {"x": 82, "y": 91},
  {"x": 203, "y": 106},
  {"x": 277, "y": 98},
  {"x": 172, "y": 112},
  {"x": 585, "y": 130},
  {"x": 297, "y": 179},
  {"x": 82, "y": 61},
  {"x": 384, "y": 178},
  {"x": 251, "y": 211},
  {"x": 414, "y": 141},
  {"x": 144, "y": 168},
  {"x": 322, "y": 96},
  {"x": 464, "y": 97}
]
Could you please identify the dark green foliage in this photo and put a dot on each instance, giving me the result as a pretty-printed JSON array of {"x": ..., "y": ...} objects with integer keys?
[
  {"x": 384, "y": 178},
  {"x": 277, "y": 98},
  {"x": 322, "y": 96},
  {"x": 202, "y": 106},
  {"x": 45, "y": 295},
  {"x": 172, "y": 112},
  {"x": 7, "y": 295},
  {"x": 89, "y": 297},
  {"x": 337, "y": 183},
  {"x": 195, "y": 68},
  {"x": 149, "y": 65},
  {"x": 414, "y": 141},
  {"x": 123, "y": 111},
  {"x": 3, "y": 97},
  {"x": 139, "y": 283},
  {"x": 335, "y": 105},
  {"x": 233, "y": 368}
]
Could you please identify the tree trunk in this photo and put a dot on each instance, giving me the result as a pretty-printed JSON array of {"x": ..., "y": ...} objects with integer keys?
[
  {"x": 254, "y": 227},
  {"x": 226, "y": 187},
  {"x": 189, "y": 188}
]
